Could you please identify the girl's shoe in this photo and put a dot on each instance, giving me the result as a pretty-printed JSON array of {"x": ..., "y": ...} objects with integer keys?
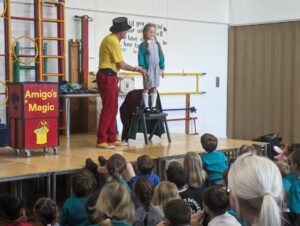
[
  {"x": 154, "y": 110},
  {"x": 147, "y": 110}
]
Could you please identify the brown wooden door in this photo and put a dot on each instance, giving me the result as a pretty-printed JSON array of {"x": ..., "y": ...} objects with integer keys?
[{"x": 264, "y": 81}]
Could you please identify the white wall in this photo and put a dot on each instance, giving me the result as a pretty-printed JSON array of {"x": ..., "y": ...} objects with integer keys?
[
  {"x": 196, "y": 41},
  {"x": 245, "y": 12}
]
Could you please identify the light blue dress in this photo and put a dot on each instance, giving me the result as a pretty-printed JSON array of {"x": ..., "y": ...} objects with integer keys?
[{"x": 153, "y": 78}]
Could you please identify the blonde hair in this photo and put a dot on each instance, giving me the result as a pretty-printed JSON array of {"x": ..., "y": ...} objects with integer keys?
[
  {"x": 145, "y": 30},
  {"x": 283, "y": 167},
  {"x": 257, "y": 185},
  {"x": 114, "y": 202},
  {"x": 247, "y": 149},
  {"x": 165, "y": 192},
  {"x": 192, "y": 163}
]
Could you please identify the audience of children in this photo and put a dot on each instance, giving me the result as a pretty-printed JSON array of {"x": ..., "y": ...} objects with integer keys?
[
  {"x": 214, "y": 162},
  {"x": 46, "y": 212},
  {"x": 177, "y": 174},
  {"x": 253, "y": 193},
  {"x": 73, "y": 211},
  {"x": 114, "y": 206},
  {"x": 12, "y": 211},
  {"x": 147, "y": 214}
]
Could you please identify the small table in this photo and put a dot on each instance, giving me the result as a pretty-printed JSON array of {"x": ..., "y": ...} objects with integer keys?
[{"x": 67, "y": 104}]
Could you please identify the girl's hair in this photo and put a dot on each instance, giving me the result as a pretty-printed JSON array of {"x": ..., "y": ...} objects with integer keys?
[
  {"x": 114, "y": 202},
  {"x": 144, "y": 190},
  {"x": 257, "y": 185},
  {"x": 283, "y": 167},
  {"x": 116, "y": 166},
  {"x": 145, "y": 30},
  {"x": 192, "y": 163},
  {"x": 165, "y": 192},
  {"x": 46, "y": 211},
  {"x": 11, "y": 206}
]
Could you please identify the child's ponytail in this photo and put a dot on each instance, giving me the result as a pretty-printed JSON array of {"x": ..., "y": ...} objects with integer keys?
[
  {"x": 269, "y": 212},
  {"x": 116, "y": 166}
]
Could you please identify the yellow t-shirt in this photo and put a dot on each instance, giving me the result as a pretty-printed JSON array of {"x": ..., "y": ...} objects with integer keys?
[{"x": 110, "y": 53}]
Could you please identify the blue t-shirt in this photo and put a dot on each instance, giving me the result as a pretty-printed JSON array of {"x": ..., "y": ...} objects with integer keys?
[
  {"x": 294, "y": 197},
  {"x": 152, "y": 177},
  {"x": 214, "y": 163},
  {"x": 286, "y": 185},
  {"x": 288, "y": 181},
  {"x": 119, "y": 223},
  {"x": 291, "y": 177},
  {"x": 74, "y": 213}
]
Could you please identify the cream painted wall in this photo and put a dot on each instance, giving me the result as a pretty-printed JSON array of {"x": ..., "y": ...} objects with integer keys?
[
  {"x": 196, "y": 41},
  {"x": 245, "y": 12}
]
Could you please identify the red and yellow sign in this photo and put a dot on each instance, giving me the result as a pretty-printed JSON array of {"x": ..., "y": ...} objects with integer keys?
[
  {"x": 33, "y": 109},
  {"x": 40, "y": 101}
]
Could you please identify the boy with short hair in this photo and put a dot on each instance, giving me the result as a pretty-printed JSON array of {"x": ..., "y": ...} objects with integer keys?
[
  {"x": 214, "y": 162},
  {"x": 216, "y": 203}
]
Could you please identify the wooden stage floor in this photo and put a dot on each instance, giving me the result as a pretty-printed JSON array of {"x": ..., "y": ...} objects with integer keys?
[{"x": 73, "y": 153}]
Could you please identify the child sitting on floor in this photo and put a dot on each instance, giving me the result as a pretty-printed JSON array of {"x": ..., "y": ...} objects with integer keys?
[
  {"x": 73, "y": 211},
  {"x": 214, "y": 162},
  {"x": 216, "y": 203},
  {"x": 177, "y": 213},
  {"x": 115, "y": 169},
  {"x": 294, "y": 190},
  {"x": 177, "y": 174},
  {"x": 147, "y": 214},
  {"x": 46, "y": 212},
  {"x": 165, "y": 192},
  {"x": 114, "y": 206},
  {"x": 12, "y": 209},
  {"x": 145, "y": 165}
]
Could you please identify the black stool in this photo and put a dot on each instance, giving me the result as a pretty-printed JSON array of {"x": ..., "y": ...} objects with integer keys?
[{"x": 160, "y": 117}]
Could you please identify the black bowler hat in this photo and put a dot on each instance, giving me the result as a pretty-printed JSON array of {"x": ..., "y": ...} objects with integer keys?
[{"x": 120, "y": 24}]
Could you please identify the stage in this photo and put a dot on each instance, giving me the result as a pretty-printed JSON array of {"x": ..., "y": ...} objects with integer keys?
[{"x": 74, "y": 151}]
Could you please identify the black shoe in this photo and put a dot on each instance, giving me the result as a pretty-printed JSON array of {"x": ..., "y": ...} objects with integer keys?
[
  {"x": 102, "y": 161},
  {"x": 91, "y": 165},
  {"x": 154, "y": 110},
  {"x": 147, "y": 110}
]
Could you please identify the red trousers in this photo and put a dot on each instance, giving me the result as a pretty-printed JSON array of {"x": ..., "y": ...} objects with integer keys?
[{"x": 108, "y": 88}]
